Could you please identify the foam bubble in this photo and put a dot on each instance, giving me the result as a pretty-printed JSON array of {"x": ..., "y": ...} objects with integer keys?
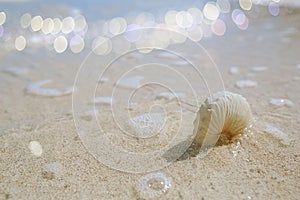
[{"x": 153, "y": 185}]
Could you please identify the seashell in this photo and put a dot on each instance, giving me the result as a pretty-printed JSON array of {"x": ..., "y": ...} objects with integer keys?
[{"x": 224, "y": 113}]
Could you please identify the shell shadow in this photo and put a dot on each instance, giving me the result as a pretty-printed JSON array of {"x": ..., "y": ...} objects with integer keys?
[
  {"x": 194, "y": 149},
  {"x": 175, "y": 152}
]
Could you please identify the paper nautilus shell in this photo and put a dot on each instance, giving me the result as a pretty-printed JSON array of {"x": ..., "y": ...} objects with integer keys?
[{"x": 223, "y": 113}]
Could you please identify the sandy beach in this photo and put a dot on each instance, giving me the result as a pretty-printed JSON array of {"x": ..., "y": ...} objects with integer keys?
[{"x": 52, "y": 146}]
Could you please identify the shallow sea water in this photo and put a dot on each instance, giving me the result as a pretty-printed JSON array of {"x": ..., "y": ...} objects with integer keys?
[{"x": 47, "y": 133}]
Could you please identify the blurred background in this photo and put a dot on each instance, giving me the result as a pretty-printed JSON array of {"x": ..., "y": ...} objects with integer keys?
[{"x": 74, "y": 26}]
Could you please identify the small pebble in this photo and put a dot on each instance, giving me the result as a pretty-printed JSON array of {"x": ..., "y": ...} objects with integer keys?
[{"x": 36, "y": 148}]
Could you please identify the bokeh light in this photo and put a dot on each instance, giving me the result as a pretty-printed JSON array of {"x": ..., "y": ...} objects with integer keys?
[
  {"x": 101, "y": 45},
  {"x": 195, "y": 33},
  {"x": 224, "y": 6},
  {"x": 245, "y": 4},
  {"x": 80, "y": 23},
  {"x": 218, "y": 27},
  {"x": 273, "y": 8},
  {"x": 25, "y": 20},
  {"x": 178, "y": 36},
  {"x": 184, "y": 19},
  {"x": 143, "y": 18},
  {"x": 57, "y": 25},
  {"x": 60, "y": 44},
  {"x": 120, "y": 45},
  {"x": 72, "y": 31},
  {"x": 20, "y": 43},
  {"x": 160, "y": 38},
  {"x": 245, "y": 24},
  {"x": 76, "y": 44},
  {"x": 170, "y": 18},
  {"x": 68, "y": 25},
  {"x": 47, "y": 26},
  {"x": 2, "y": 18},
  {"x": 117, "y": 25},
  {"x": 36, "y": 23},
  {"x": 196, "y": 14},
  {"x": 211, "y": 11},
  {"x": 238, "y": 17},
  {"x": 133, "y": 33}
]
